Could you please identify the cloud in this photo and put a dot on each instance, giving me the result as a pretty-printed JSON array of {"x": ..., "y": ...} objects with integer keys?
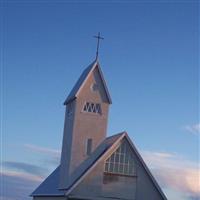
[
  {"x": 21, "y": 175},
  {"x": 17, "y": 185},
  {"x": 175, "y": 172},
  {"x": 43, "y": 150},
  {"x": 25, "y": 167},
  {"x": 51, "y": 156},
  {"x": 22, "y": 178},
  {"x": 195, "y": 128}
]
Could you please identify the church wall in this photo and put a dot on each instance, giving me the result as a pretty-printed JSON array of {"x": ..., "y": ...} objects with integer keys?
[
  {"x": 145, "y": 187},
  {"x": 90, "y": 185},
  {"x": 95, "y": 186}
]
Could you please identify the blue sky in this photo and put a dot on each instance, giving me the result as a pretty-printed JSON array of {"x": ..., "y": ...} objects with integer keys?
[{"x": 150, "y": 61}]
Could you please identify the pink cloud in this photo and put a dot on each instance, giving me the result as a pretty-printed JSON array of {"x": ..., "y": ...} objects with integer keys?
[
  {"x": 44, "y": 150},
  {"x": 22, "y": 175},
  {"x": 175, "y": 172},
  {"x": 17, "y": 185}
]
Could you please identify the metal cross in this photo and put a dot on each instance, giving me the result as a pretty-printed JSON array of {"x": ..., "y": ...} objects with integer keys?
[{"x": 98, "y": 38}]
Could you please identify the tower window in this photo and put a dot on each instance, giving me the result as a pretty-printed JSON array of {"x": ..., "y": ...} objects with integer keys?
[
  {"x": 92, "y": 107},
  {"x": 89, "y": 146}
]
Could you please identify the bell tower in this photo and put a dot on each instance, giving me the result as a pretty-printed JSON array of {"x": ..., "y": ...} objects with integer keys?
[{"x": 86, "y": 117}]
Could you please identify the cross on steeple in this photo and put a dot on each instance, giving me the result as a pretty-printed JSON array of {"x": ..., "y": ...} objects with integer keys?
[{"x": 98, "y": 38}]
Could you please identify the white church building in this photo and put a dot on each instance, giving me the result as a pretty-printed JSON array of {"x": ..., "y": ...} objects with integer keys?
[{"x": 94, "y": 166}]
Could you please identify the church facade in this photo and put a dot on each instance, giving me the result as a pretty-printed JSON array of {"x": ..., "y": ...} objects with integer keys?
[{"x": 94, "y": 166}]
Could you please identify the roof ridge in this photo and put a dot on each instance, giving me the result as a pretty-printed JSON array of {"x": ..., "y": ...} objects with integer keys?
[{"x": 121, "y": 133}]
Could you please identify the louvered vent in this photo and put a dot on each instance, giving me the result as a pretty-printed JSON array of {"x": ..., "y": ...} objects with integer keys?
[{"x": 92, "y": 107}]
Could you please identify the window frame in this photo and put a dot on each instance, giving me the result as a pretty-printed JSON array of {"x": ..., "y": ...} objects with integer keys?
[
  {"x": 92, "y": 108},
  {"x": 125, "y": 167}
]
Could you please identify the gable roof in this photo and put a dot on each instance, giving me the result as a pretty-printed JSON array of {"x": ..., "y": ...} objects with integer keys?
[
  {"x": 50, "y": 187},
  {"x": 79, "y": 84},
  {"x": 109, "y": 152}
]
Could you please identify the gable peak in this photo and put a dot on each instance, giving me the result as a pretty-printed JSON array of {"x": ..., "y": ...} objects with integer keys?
[{"x": 83, "y": 78}]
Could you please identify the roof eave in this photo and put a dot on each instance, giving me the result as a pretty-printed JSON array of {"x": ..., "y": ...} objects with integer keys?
[{"x": 67, "y": 101}]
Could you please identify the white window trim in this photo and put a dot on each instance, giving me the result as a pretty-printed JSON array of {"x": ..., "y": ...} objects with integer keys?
[
  {"x": 123, "y": 164},
  {"x": 97, "y": 110}
]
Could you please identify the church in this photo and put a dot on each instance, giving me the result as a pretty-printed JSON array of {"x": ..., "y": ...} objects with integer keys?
[{"x": 94, "y": 166}]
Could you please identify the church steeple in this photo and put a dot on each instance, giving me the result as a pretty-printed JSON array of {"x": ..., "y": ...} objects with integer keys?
[{"x": 86, "y": 117}]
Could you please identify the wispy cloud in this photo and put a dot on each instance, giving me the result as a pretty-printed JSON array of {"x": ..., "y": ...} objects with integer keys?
[
  {"x": 21, "y": 175},
  {"x": 51, "y": 157},
  {"x": 194, "y": 129},
  {"x": 43, "y": 150},
  {"x": 17, "y": 185},
  {"x": 22, "y": 178},
  {"x": 175, "y": 172},
  {"x": 25, "y": 167}
]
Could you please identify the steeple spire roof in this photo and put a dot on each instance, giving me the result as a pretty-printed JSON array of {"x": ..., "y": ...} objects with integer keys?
[{"x": 82, "y": 79}]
